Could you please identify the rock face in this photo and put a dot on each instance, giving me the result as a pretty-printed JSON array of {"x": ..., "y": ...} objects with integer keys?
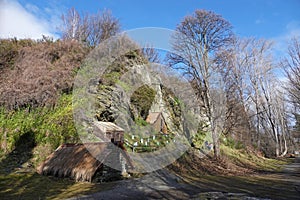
[
  {"x": 115, "y": 102},
  {"x": 129, "y": 88}
]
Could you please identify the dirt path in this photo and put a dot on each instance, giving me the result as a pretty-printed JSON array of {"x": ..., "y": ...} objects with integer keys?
[{"x": 164, "y": 185}]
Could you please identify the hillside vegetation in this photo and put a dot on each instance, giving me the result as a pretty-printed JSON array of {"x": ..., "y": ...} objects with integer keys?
[
  {"x": 36, "y": 79},
  {"x": 36, "y": 73}
]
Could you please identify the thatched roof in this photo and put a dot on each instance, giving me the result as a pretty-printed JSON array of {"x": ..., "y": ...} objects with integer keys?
[
  {"x": 76, "y": 161},
  {"x": 153, "y": 117},
  {"x": 108, "y": 127}
]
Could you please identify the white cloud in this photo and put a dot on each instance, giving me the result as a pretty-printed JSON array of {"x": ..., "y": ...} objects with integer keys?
[{"x": 16, "y": 21}]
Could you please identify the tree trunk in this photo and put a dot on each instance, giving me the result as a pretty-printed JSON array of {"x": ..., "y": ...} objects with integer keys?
[
  {"x": 276, "y": 145},
  {"x": 280, "y": 142},
  {"x": 215, "y": 138},
  {"x": 285, "y": 147}
]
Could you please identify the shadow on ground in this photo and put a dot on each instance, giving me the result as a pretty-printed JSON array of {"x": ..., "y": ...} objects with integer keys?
[
  {"x": 163, "y": 184},
  {"x": 21, "y": 154},
  {"x": 18, "y": 179},
  {"x": 188, "y": 183}
]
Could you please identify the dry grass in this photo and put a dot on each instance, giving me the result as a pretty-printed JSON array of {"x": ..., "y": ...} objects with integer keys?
[
  {"x": 237, "y": 172},
  {"x": 233, "y": 163}
]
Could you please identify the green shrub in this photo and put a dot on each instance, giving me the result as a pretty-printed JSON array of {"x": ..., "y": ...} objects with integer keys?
[
  {"x": 52, "y": 126},
  {"x": 199, "y": 138},
  {"x": 230, "y": 142},
  {"x": 141, "y": 122},
  {"x": 111, "y": 78},
  {"x": 142, "y": 100}
]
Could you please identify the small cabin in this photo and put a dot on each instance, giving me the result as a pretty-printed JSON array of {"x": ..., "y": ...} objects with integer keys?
[
  {"x": 157, "y": 120},
  {"x": 110, "y": 131}
]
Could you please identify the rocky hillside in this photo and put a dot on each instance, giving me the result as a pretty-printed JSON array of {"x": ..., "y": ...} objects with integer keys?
[
  {"x": 135, "y": 91},
  {"x": 36, "y": 83}
]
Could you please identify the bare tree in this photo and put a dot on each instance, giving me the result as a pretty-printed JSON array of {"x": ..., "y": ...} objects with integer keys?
[
  {"x": 151, "y": 54},
  {"x": 234, "y": 62},
  {"x": 255, "y": 100},
  {"x": 282, "y": 118},
  {"x": 291, "y": 65},
  {"x": 72, "y": 27},
  {"x": 89, "y": 29},
  {"x": 102, "y": 26},
  {"x": 199, "y": 38}
]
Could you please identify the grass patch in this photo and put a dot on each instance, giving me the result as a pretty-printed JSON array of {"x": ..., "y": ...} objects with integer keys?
[
  {"x": 34, "y": 186},
  {"x": 251, "y": 160}
]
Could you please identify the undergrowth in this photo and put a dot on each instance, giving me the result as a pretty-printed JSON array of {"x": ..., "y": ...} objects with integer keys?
[{"x": 50, "y": 127}]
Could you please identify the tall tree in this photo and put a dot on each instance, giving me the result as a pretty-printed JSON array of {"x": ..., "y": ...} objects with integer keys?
[
  {"x": 234, "y": 62},
  {"x": 291, "y": 65},
  {"x": 254, "y": 98},
  {"x": 197, "y": 40}
]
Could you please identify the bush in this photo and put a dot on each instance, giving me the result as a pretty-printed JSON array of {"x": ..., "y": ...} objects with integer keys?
[
  {"x": 141, "y": 122},
  {"x": 34, "y": 74},
  {"x": 239, "y": 145},
  {"x": 199, "y": 138},
  {"x": 142, "y": 100},
  {"x": 9, "y": 50}
]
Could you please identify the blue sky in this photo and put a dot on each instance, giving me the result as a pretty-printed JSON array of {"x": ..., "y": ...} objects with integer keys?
[{"x": 271, "y": 19}]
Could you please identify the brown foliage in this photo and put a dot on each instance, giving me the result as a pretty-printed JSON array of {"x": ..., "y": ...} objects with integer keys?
[
  {"x": 34, "y": 73},
  {"x": 191, "y": 164}
]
